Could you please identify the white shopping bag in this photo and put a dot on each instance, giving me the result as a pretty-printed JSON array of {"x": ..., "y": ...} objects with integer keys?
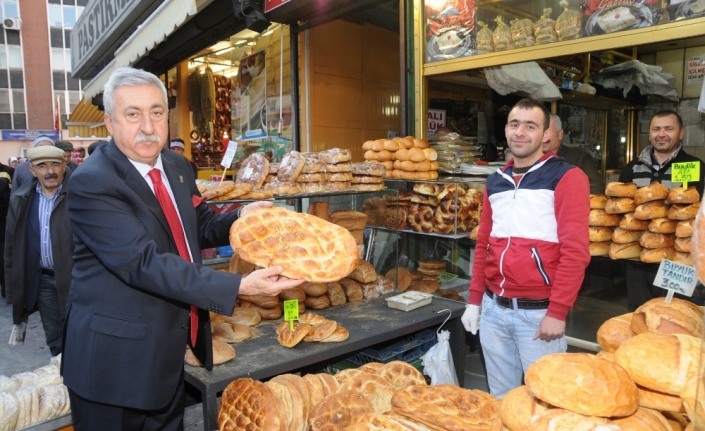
[{"x": 438, "y": 362}]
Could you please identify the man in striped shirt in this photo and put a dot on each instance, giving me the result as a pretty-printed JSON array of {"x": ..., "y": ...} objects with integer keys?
[
  {"x": 39, "y": 245},
  {"x": 666, "y": 133}
]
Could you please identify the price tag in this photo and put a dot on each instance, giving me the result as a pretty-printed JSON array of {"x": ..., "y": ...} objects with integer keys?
[
  {"x": 676, "y": 278},
  {"x": 229, "y": 155},
  {"x": 291, "y": 311},
  {"x": 447, "y": 276},
  {"x": 685, "y": 172}
]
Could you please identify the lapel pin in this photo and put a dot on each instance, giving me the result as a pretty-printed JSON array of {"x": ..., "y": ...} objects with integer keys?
[{"x": 181, "y": 178}]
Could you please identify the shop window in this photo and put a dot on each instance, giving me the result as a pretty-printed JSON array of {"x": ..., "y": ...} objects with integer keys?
[
  {"x": 20, "y": 121},
  {"x": 73, "y": 84},
  {"x": 5, "y": 121},
  {"x": 82, "y": 2},
  {"x": 13, "y": 37},
  {"x": 79, "y": 11},
  {"x": 59, "y": 79},
  {"x": 57, "y": 37},
  {"x": 18, "y": 100},
  {"x": 54, "y": 1},
  {"x": 57, "y": 59},
  {"x": 11, "y": 10},
  {"x": 14, "y": 56},
  {"x": 2, "y": 34},
  {"x": 69, "y": 2},
  {"x": 16, "y": 79},
  {"x": 69, "y": 16},
  {"x": 3, "y": 57},
  {"x": 5, "y": 101},
  {"x": 4, "y": 82},
  {"x": 55, "y": 16},
  {"x": 67, "y": 38}
]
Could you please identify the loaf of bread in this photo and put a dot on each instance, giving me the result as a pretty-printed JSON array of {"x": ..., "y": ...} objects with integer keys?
[
  {"x": 335, "y": 155},
  {"x": 600, "y": 248},
  {"x": 340, "y": 334},
  {"x": 289, "y": 338},
  {"x": 319, "y": 209},
  {"x": 653, "y": 192},
  {"x": 342, "y": 168},
  {"x": 598, "y": 202},
  {"x": 643, "y": 420},
  {"x": 425, "y": 286},
  {"x": 680, "y": 196},
  {"x": 565, "y": 420},
  {"x": 349, "y": 219},
  {"x": 662, "y": 225},
  {"x": 621, "y": 190},
  {"x": 450, "y": 294},
  {"x": 682, "y": 245},
  {"x": 683, "y": 258},
  {"x": 364, "y": 272},
  {"x": 601, "y": 218},
  {"x": 291, "y": 166},
  {"x": 245, "y": 316},
  {"x": 222, "y": 352},
  {"x": 656, "y": 240},
  {"x": 315, "y": 249},
  {"x": 401, "y": 277},
  {"x": 335, "y": 294},
  {"x": 621, "y": 236},
  {"x": 683, "y": 212},
  {"x": 684, "y": 228},
  {"x": 240, "y": 190},
  {"x": 248, "y": 404},
  {"x": 599, "y": 233},
  {"x": 254, "y": 170},
  {"x": 629, "y": 222},
  {"x": 588, "y": 385},
  {"x": 660, "y": 362},
  {"x": 693, "y": 399},
  {"x": 317, "y": 303},
  {"x": 625, "y": 251},
  {"x": 677, "y": 317},
  {"x": 619, "y": 205},
  {"x": 615, "y": 331},
  {"x": 262, "y": 301},
  {"x": 656, "y": 255},
  {"x": 311, "y": 166},
  {"x": 293, "y": 293},
  {"x": 231, "y": 332},
  {"x": 519, "y": 406},
  {"x": 314, "y": 290},
  {"x": 352, "y": 289},
  {"x": 375, "y": 388},
  {"x": 660, "y": 401},
  {"x": 651, "y": 210},
  {"x": 337, "y": 411}
]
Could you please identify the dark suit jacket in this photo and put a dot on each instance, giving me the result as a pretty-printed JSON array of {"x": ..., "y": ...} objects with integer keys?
[{"x": 128, "y": 307}]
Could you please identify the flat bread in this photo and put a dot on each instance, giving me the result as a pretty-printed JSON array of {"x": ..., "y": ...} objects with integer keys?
[
  {"x": 373, "y": 387},
  {"x": 337, "y": 411},
  {"x": 304, "y": 245},
  {"x": 400, "y": 374},
  {"x": 248, "y": 404},
  {"x": 289, "y": 338}
]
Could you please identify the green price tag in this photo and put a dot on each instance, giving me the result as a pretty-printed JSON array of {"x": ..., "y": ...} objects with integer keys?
[
  {"x": 685, "y": 172},
  {"x": 447, "y": 276},
  {"x": 291, "y": 311}
]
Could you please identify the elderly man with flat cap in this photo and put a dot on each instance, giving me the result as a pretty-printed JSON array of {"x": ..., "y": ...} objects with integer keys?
[
  {"x": 67, "y": 147},
  {"x": 22, "y": 174},
  {"x": 39, "y": 245}
]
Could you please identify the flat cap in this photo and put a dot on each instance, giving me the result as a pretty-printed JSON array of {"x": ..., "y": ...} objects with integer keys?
[{"x": 44, "y": 154}]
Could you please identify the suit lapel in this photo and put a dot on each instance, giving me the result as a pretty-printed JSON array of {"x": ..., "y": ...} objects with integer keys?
[{"x": 184, "y": 205}]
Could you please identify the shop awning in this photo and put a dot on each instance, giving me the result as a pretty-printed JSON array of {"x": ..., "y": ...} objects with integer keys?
[
  {"x": 86, "y": 121},
  {"x": 154, "y": 30}
]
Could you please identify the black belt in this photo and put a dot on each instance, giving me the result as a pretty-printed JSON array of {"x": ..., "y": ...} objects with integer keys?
[
  {"x": 522, "y": 303},
  {"x": 49, "y": 272}
]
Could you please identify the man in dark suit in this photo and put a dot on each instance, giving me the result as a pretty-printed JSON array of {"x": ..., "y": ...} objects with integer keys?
[
  {"x": 39, "y": 245},
  {"x": 128, "y": 317}
]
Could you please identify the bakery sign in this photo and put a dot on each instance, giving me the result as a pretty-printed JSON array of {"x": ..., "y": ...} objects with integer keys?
[{"x": 436, "y": 119}]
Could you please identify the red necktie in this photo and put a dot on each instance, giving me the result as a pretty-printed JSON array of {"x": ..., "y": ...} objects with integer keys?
[{"x": 177, "y": 232}]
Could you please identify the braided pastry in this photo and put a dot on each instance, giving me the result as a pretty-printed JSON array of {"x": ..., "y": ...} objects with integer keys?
[
  {"x": 396, "y": 217},
  {"x": 421, "y": 218}
]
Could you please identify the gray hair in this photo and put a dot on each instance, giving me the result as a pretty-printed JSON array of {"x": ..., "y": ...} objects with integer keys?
[
  {"x": 559, "y": 123},
  {"x": 128, "y": 77}
]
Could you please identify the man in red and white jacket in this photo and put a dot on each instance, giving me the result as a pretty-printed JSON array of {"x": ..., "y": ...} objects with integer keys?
[{"x": 531, "y": 252}]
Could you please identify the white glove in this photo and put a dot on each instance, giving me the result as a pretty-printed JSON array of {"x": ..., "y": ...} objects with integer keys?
[{"x": 471, "y": 318}]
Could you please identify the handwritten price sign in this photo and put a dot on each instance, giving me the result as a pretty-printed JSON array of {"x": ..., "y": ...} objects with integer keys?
[
  {"x": 685, "y": 172},
  {"x": 291, "y": 311},
  {"x": 676, "y": 278}
]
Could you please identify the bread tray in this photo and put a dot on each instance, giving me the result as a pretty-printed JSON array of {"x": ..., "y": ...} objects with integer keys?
[{"x": 408, "y": 301}]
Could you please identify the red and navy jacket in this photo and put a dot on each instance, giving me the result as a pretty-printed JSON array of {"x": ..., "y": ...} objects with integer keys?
[{"x": 533, "y": 238}]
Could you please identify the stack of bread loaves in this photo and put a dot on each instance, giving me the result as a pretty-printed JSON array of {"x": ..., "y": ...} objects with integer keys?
[
  {"x": 392, "y": 396},
  {"x": 368, "y": 176},
  {"x": 313, "y": 176},
  {"x": 338, "y": 168},
  {"x": 310, "y": 327},
  {"x": 354, "y": 221},
  {"x": 647, "y": 224},
  {"x": 406, "y": 158},
  {"x": 31, "y": 398},
  {"x": 288, "y": 171}
]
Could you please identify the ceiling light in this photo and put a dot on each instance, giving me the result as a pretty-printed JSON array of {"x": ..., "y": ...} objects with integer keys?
[{"x": 223, "y": 51}]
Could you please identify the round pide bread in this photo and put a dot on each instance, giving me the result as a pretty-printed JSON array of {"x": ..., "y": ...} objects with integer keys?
[
  {"x": 588, "y": 385},
  {"x": 306, "y": 246}
]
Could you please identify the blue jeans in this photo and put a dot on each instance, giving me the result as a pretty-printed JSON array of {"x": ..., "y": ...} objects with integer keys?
[
  {"x": 508, "y": 346},
  {"x": 52, "y": 320}
]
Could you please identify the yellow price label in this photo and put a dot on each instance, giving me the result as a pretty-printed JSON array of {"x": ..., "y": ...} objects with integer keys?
[
  {"x": 685, "y": 173},
  {"x": 291, "y": 311}
]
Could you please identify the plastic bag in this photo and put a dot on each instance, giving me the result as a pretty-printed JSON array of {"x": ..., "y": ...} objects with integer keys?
[{"x": 438, "y": 362}]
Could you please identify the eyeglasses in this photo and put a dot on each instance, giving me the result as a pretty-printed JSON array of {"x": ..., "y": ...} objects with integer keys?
[{"x": 44, "y": 166}]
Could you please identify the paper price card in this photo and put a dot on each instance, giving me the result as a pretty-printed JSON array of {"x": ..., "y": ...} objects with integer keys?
[
  {"x": 291, "y": 311},
  {"x": 447, "y": 276},
  {"x": 685, "y": 173},
  {"x": 676, "y": 278},
  {"x": 229, "y": 155}
]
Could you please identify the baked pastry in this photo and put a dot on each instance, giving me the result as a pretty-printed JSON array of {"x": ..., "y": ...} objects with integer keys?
[
  {"x": 683, "y": 258},
  {"x": 421, "y": 218},
  {"x": 598, "y": 202},
  {"x": 683, "y": 212},
  {"x": 339, "y": 410},
  {"x": 684, "y": 228},
  {"x": 601, "y": 218},
  {"x": 396, "y": 216},
  {"x": 289, "y": 338},
  {"x": 625, "y": 251},
  {"x": 374, "y": 208},
  {"x": 317, "y": 303},
  {"x": 293, "y": 293},
  {"x": 588, "y": 385},
  {"x": 349, "y": 219},
  {"x": 231, "y": 332},
  {"x": 400, "y": 374},
  {"x": 677, "y": 317},
  {"x": 366, "y": 179},
  {"x": 425, "y": 286},
  {"x": 335, "y": 155},
  {"x": 656, "y": 240},
  {"x": 599, "y": 233},
  {"x": 682, "y": 245},
  {"x": 339, "y": 176},
  {"x": 283, "y": 399},
  {"x": 312, "y": 166},
  {"x": 321, "y": 331},
  {"x": 254, "y": 170},
  {"x": 291, "y": 166},
  {"x": 364, "y": 272},
  {"x": 340, "y": 334},
  {"x": 692, "y": 399},
  {"x": 565, "y": 420},
  {"x": 298, "y": 396},
  {"x": 376, "y": 389},
  {"x": 656, "y": 255},
  {"x": 600, "y": 248},
  {"x": 651, "y": 210},
  {"x": 621, "y": 236},
  {"x": 314, "y": 187},
  {"x": 401, "y": 277},
  {"x": 621, "y": 190},
  {"x": 222, "y": 352},
  {"x": 339, "y": 168},
  {"x": 311, "y": 178},
  {"x": 367, "y": 187},
  {"x": 245, "y": 316},
  {"x": 314, "y": 290},
  {"x": 659, "y": 401},
  {"x": 305, "y": 246},
  {"x": 660, "y": 362},
  {"x": 519, "y": 406},
  {"x": 680, "y": 196},
  {"x": 619, "y": 205},
  {"x": 262, "y": 301},
  {"x": 335, "y": 294},
  {"x": 352, "y": 289},
  {"x": 248, "y": 403},
  {"x": 653, "y": 192},
  {"x": 237, "y": 192},
  {"x": 319, "y": 209},
  {"x": 283, "y": 188},
  {"x": 373, "y": 169},
  {"x": 336, "y": 186},
  {"x": 614, "y": 332},
  {"x": 256, "y": 195},
  {"x": 662, "y": 225},
  {"x": 629, "y": 222},
  {"x": 216, "y": 189}
]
